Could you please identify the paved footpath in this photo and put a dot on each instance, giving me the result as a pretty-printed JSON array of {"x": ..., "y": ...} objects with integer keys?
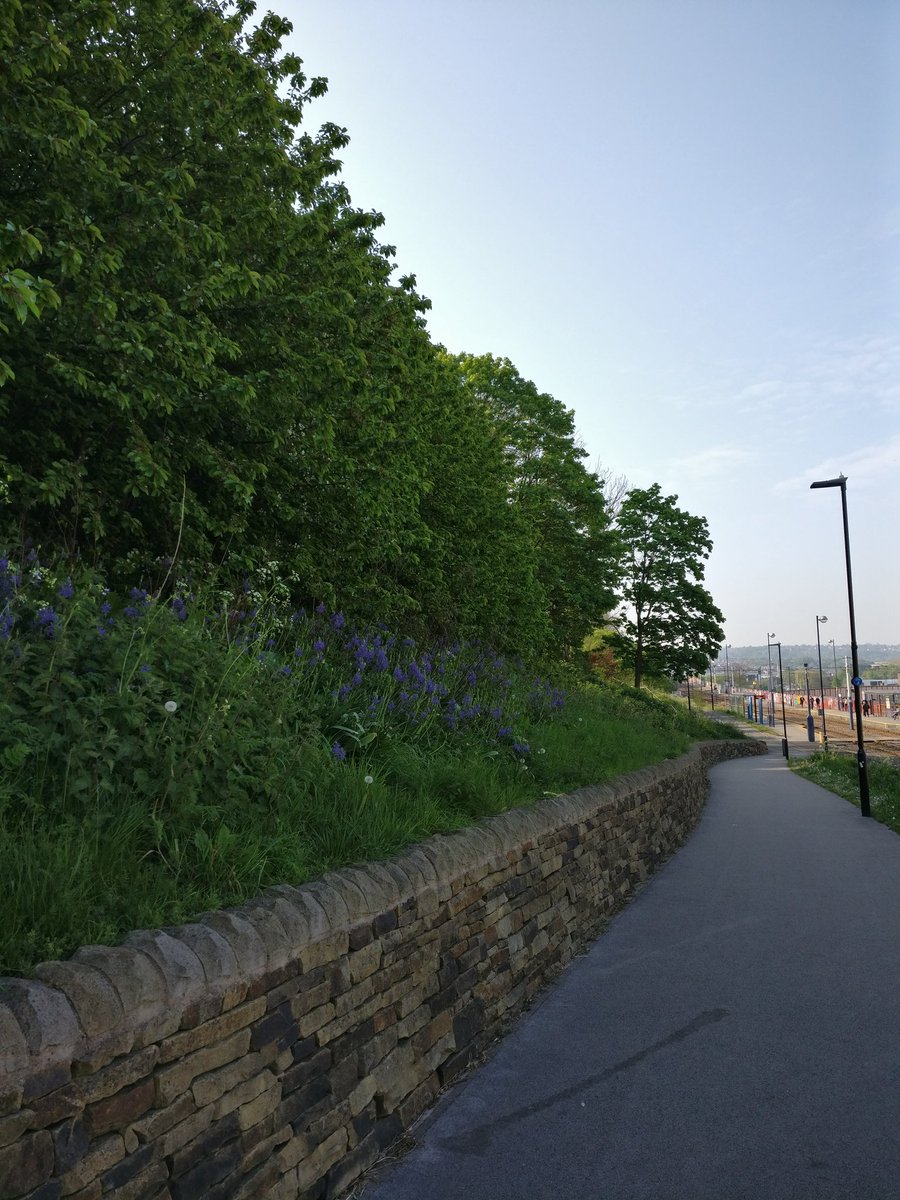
[{"x": 734, "y": 1035}]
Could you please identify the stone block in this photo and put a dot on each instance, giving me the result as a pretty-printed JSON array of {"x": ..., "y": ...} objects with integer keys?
[
  {"x": 205, "y": 1145},
  {"x": 46, "y": 1020},
  {"x": 224, "y": 977},
  {"x": 256, "y": 1109},
  {"x": 71, "y": 1143},
  {"x": 26, "y": 1164},
  {"x": 317, "y": 1164},
  {"x": 148, "y": 1184},
  {"x": 121, "y": 1109},
  {"x": 173, "y": 1080},
  {"x": 216, "y": 1029},
  {"x": 96, "y": 1003},
  {"x": 59, "y": 1105},
  {"x": 181, "y": 967},
  {"x": 140, "y": 986},
  {"x": 209, "y": 1087},
  {"x": 328, "y": 892},
  {"x": 197, "y": 1183},
  {"x": 246, "y": 1092},
  {"x": 325, "y": 949},
  {"x": 278, "y": 1029},
  {"x": 247, "y": 946},
  {"x": 299, "y": 1075},
  {"x": 157, "y": 1123},
  {"x": 102, "y": 1155}
]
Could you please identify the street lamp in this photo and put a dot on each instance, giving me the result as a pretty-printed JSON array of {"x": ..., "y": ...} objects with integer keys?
[
  {"x": 769, "y": 639},
  {"x": 841, "y": 482},
  {"x": 821, "y": 621},
  {"x": 784, "y": 740},
  {"x": 729, "y": 682}
]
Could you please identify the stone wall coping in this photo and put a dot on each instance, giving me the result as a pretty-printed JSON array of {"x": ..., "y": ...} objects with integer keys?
[{"x": 108, "y": 1000}]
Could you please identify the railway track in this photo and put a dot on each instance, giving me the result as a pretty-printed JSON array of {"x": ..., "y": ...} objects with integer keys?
[{"x": 881, "y": 737}]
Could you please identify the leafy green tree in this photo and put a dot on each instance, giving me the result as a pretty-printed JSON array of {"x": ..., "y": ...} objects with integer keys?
[
  {"x": 670, "y": 625},
  {"x": 558, "y": 498},
  {"x": 153, "y": 185}
]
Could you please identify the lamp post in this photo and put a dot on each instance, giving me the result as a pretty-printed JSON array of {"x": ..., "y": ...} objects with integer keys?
[
  {"x": 821, "y": 621},
  {"x": 862, "y": 773},
  {"x": 784, "y": 740},
  {"x": 729, "y": 683},
  {"x": 712, "y": 698},
  {"x": 810, "y": 723},
  {"x": 770, "y": 637}
]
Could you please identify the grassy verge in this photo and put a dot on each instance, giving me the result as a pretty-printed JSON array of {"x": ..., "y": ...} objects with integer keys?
[
  {"x": 838, "y": 774},
  {"x": 160, "y": 758}
]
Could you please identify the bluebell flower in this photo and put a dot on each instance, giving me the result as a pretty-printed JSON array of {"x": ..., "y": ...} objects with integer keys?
[
  {"x": 144, "y": 668},
  {"x": 337, "y": 621},
  {"x": 319, "y": 646},
  {"x": 399, "y": 674},
  {"x": 66, "y": 591},
  {"x": 105, "y": 608},
  {"x": 338, "y": 751},
  {"x": 381, "y": 659},
  {"x": 179, "y": 608},
  {"x": 504, "y": 731},
  {"x": 7, "y": 620},
  {"x": 46, "y": 621},
  {"x": 521, "y": 748}
]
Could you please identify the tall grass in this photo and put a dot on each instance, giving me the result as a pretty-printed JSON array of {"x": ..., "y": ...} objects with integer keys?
[{"x": 162, "y": 756}]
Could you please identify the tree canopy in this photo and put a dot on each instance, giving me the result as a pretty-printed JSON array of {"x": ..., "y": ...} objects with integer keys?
[
  {"x": 206, "y": 354},
  {"x": 670, "y": 626}
]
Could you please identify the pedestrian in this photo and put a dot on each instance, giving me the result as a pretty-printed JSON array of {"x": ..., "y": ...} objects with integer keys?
[{"x": 865, "y": 708}]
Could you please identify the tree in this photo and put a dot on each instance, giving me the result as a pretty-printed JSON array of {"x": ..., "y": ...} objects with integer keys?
[
  {"x": 670, "y": 626},
  {"x": 560, "y": 501}
]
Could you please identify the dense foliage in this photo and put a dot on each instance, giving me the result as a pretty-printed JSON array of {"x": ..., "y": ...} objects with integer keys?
[
  {"x": 671, "y": 625},
  {"x": 206, "y": 354},
  {"x": 160, "y": 757}
]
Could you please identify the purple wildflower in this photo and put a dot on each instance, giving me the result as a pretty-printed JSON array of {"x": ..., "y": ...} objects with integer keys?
[
  {"x": 338, "y": 751},
  {"x": 46, "y": 621},
  {"x": 67, "y": 591}
]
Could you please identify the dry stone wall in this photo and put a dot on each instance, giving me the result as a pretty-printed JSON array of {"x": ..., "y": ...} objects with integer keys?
[{"x": 275, "y": 1050}]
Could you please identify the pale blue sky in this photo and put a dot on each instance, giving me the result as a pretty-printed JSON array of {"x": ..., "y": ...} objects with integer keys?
[{"x": 682, "y": 219}]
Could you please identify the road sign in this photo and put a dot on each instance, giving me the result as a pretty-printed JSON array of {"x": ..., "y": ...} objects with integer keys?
[{"x": 856, "y": 681}]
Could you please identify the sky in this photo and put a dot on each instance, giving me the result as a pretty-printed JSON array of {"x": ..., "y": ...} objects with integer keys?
[{"x": 681, "y": 218}]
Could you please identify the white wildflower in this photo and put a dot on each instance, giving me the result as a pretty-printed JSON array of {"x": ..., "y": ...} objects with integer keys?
[{"x": 170, "y": 706}]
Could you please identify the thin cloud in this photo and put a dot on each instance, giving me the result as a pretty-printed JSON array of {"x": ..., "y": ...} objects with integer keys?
[
  {"x": 868, "y": 467},
  {"x": 712, "y": 462}
]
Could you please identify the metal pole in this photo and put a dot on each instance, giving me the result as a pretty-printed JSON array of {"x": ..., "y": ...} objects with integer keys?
[
  {"x": 810, "y": 723},
  {"x": 771, "y": 698},
  {"x": 784, "y": 740},
  {"x": 862, "y": 772},
  {"x": 820, "y": 620}
]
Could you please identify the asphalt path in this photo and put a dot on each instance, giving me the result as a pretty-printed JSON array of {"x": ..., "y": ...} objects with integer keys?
[{"x": 734, "y": 1035}]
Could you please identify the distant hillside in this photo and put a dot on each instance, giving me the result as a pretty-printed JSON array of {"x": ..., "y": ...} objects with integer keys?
[{"x": 870, "y": 654}]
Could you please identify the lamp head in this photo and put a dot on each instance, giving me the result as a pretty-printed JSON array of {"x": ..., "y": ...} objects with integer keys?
[
  {"x": 821, "y": 483},
  {"x": 821, "y": 620}
]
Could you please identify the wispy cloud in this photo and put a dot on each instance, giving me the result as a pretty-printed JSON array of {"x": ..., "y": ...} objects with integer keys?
[
  {"x": 712, "y": 462},
  {"x": 869, "y": 467}
]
